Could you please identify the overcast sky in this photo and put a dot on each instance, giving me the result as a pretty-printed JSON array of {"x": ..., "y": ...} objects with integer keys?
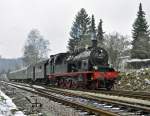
[{"x": 53, "y": 18}]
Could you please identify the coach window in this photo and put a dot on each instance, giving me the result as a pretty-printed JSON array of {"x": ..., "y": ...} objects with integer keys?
[
  {"x": 79, "y": 64},
  {"x": 84, "y": 64}
]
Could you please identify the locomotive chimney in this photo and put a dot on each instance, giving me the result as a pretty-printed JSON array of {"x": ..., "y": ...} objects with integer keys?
[{"x": 93, "y": 39}]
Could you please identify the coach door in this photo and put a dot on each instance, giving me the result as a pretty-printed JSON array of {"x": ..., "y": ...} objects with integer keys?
[
  {"x": 52, "y": 64},
  {"x": 33, "y": 73}
]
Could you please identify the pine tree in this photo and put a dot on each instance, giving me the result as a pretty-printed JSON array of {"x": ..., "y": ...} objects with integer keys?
[
  {"x": 140, "y": 36},
  {"x": 72, "y": 44},
  {"x": 93, "y": 24},
  {"x": 79, "y": 29},
  {"x": 93, "y": 32},
  {"x": 100, "y": 33}
]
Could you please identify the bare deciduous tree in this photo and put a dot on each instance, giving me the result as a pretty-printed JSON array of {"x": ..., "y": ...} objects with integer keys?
[
  {"x": 116, "y": 45},
  {"x": 36, "y": 48}
]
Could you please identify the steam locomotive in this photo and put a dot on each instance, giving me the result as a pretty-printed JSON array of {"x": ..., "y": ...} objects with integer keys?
[{"x": 86, "y": 68}]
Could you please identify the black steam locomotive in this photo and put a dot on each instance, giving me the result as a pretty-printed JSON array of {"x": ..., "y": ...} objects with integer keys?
[{"x": 86, "y": 68}]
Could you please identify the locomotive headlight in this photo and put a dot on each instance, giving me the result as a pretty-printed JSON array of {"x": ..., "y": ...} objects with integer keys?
[{"x": 95, "y": 67}]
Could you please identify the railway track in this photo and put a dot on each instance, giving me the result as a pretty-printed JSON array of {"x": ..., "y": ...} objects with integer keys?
[
  {"x": 61, "y": 99},
  {"x": 131, "y": 94},
  {"x": 89, "y": 102}
]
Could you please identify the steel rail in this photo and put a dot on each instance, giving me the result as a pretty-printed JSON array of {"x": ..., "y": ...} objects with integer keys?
[{"x": 130, "y": 94}]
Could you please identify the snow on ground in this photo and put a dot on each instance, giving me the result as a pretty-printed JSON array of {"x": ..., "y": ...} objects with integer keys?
[
  {"x": 136, "y": 80},
  {"x": 7, "y": 107}
]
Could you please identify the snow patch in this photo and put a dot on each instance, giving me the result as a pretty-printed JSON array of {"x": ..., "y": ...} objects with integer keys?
[
  {"x": 7, "y": 107},
  {"x": 38, "y": 86},
  {"x": 138, "y": 60}
]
